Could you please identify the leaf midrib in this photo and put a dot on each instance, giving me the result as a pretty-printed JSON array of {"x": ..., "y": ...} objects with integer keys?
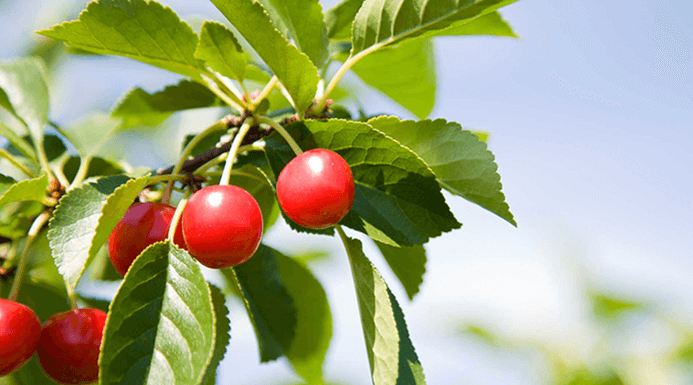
[{"x": 394, "y": 38}]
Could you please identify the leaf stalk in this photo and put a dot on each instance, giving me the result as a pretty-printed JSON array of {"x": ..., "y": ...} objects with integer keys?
[
  {"x": 31, "y": 236},
  {"x": 226, "y": 174}
]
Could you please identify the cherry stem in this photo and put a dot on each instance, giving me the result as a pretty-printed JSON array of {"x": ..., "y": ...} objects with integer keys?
[
  {"x": 177, "y": 215},
  {"x": 81, "y": 172},
  {"x": 166, "y": 178},
  {"x": 278, "y": 127},
  {"x": 31, "y": 236},
  {"x": 226, "y": 174},
  {"x": 71, "y": 296},
  {"x": 220, "y": 125},
  {"x": 43, "y": 158},
  {"x": 221, "y": 158}
]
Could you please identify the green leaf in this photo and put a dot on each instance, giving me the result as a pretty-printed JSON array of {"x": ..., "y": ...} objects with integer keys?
[
  {"x": 221, "y": 51},
  {"x": 26, "y": 89},
  {"x": 5, "y": 102},
  {"x": 391, "y": 354},
  {"x": 397, "y": 200},
  {"x": 462, "y": 163},
  {"x": 293, "y": 68},
  {"x": 269, "y": 306},
  {"x": 89, "y": 134},
  {"x": 411, "y": 74},
  {"x": 383, "y": 22},
  {"x": 314, "y": 319},
  {"x": 84, "y": 219},
  {"x": 606, "y": 306},
  {"x": 408, "y": 264},
  {"x": 222, "y": 327},
  {"x": 302, "y": 21},
  {"x": 97, "y": 167},
  {"x": 15, "y": 220},
  {"x": 484, "y": 334},
  {"x": 26, "y": 190},
  {"x": 22, "y": 146},
  {"x": 338, "y": 19},
  {"x": 253, "y": 180},
  {"x": 137, "y": 29},
  {"x": 161, "y": 327},
  {"x": 489, "y": 24},
  {"x": 140, "y": 108}
]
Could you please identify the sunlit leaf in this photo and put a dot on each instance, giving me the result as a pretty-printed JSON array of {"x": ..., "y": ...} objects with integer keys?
[
  {"x": 293, "y": 68},
  {"x": 89, "y": 134},
  {"x": 488, "y": 24},
  {"x": 462, "y": 163},
  {"x": 223, "y": 327},
  {"x": 411, "y": 74},
  {"x": 140, "y": 108},
  {"x": 383, "y": 22},
  {"x": 160, "y": 328},
  {"x": 301, "y": 21},
  {"x": 221, "y": 51},
  {"x": 26, "y": 90},
  {"x": 137, "y": 29},
  {"x": 338, "y": 19},
  {"x": 84, "y": 219},
  {"x": 26, "y": 190},
  {"x": 391, "y": 354}
]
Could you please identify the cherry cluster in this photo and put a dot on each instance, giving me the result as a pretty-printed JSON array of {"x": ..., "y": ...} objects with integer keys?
[
  {"x": 221, "y": 225},
  {"x": 67, "y": 344}
]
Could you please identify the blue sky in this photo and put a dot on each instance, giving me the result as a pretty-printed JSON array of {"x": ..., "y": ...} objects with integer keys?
[{"x": 591, "y": 117}]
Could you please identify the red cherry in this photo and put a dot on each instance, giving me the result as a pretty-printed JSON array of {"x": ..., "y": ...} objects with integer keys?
[
  {"x": 20, "y": 331},
  {"x": 316, "y": 189},
  {"x": 222, "y": 226},
  {"x": 142, "y": 225},
  {"x": 70, "y": 343}
]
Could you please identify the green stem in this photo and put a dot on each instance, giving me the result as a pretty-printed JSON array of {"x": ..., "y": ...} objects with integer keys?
[
  {"x": 17, "y": 164},
  {"x": 43, "y": 159},
  {"x": 31, "y": 236},
  {"x": 220, "y": 125},
  {"x": 71, "y": 296},
  {"x": 81, "y": 172},
  {"x": 320, "y": 105},
  {"x": 177, "y": 215},
  {"x": 226, "y": 174},
  {"x": 264, "y": 93},
  {"x": 165, "y": 178},
  {"x": 230, "y": 90},
  {"x": 221, "y": 158},
  {"x": 278, "y": 127},
  {"x": 232, "y": 101}
]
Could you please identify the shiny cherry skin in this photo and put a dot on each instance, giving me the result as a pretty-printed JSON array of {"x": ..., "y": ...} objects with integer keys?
[
  {"x": 68, "y": 351},
  {"x": 142, "y": 225},
  {"x": 20, "y": 331},
  {"x": 316, "y": 189},
  {"x": 222, "y": 226}
]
